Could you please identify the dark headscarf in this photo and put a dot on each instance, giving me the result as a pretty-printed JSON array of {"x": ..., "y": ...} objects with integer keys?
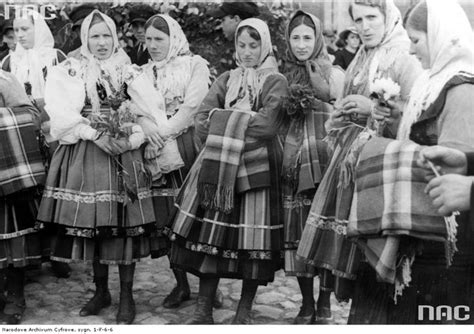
[{"x": 296, "y": 71}]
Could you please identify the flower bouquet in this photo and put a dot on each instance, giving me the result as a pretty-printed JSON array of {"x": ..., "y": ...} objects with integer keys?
[
  {"x": 300, "y": 101},
  {"x": 384, "y": 90},
  {"x": 120, "y": 125}
]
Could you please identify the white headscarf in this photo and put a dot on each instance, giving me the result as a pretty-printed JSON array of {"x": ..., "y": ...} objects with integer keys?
[
  {"x": 245, "y": 84},
  {"x": 94, "y": 68},
  {"x": 172, "y": 74},
  {"x": 27, "y": 64},
  {"x": 368, "y": 63},
  {"x": 451, "y": 49}
]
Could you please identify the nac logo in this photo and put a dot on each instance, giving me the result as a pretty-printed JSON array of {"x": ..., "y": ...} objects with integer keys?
[
  {"x": 443, "y": 313},
  {"x": 21, "y": 11}
]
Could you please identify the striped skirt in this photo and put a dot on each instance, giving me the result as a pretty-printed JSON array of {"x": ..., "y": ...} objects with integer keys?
[
  {"x": 88, "y": 208},
  {"x": 245, "y": 244},
  {"x": 164, "y": 194},
  {"x": 19, "y": 241}
]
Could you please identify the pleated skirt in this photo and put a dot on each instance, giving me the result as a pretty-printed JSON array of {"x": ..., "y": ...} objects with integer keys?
[
  {"x": 19, "y": 240},
  {"x": 97, "y": 207},
  {"x": 245, "y": 244}
]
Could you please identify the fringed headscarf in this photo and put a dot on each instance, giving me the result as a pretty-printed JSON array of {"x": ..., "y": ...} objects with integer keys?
[
  {"x": 94, "y": 69},
  {"x": 245, "y": 84},
  {"x": 451, "y": 49},
  {"x": 370, "y": 63},
  {"x": 296, "y": 71},
  {"x": 27, "y": 64},
  {"x": 172, "y": 74}
]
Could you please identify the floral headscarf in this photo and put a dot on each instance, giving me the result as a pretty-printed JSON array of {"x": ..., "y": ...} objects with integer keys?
[
  {"x": 27, "y": 64},
  {"x": 179, "y": 45},
  {"x": 451, "y": 49},
  {"x": 245, "y": 84},
  {"x": 369, "y": 62},
  {"x": 296, "y": 70},
  {"x": 94, "y": 69}
]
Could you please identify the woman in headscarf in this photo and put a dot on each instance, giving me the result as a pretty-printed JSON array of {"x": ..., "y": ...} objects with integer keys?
[
  {"x": 97, "y": 195},
  {"x": 182, "y": 81},
  {"x": 384, "y": 54},
  {"x": 228, "y": 223},
  {"x": 34, "y": 55},
  {"x": 21, "y": 174},
  {"x": 305, "y": 152},
  {"x": 439, "y": 112}
]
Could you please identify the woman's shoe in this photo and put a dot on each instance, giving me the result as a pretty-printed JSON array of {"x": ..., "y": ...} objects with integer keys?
[
  {"x": 176, "y": 298},
  {"x": 14, "y": 309},
  {"x": 60, "y": 269},
  {"x": 218, "y": 299},
  {"x": 305, "y": 319},
  {"x": 96, "y": 304},
  {"x": 323, "y": 316},
  {"x": 100, "y": 300},
  {"x": 202, "y": 312},
  {"x": 126, "y": 311}
]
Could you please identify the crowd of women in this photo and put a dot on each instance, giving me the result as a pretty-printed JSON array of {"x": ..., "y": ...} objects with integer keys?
[{"x": 225, "y": 180}]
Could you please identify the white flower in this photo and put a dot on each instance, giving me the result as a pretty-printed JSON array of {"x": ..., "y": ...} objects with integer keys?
[{"x": 386, "y": 88}]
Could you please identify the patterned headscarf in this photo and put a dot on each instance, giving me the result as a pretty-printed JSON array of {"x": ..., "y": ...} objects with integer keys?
[
  {"x": 179, "y": 45},
  {"x": 94, "y": 69},
  {"x": 245, "y": 84},
  {"x": 27, "y": 64},
  {"x": 369, "y": 62},
  {"x": 451, "y": 49},
  {"x": 296, "y": 71}
]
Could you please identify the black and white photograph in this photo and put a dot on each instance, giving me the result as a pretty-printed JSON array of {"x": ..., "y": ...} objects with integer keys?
[{"x": 276, "y": 162}]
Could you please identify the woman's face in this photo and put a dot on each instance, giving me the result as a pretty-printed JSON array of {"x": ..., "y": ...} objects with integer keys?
[
  {"x": 370, "y": 23},
  {"x": 419, "y": 46},
  {"x": 302, "y": 41},
  {"x": 100, "y": 42},
  {"x": 353, "y": 40},
  {"x": 248, "y": 49},
  {"x": 24, "y": 32},
  {"x": 157, "y": 43}
]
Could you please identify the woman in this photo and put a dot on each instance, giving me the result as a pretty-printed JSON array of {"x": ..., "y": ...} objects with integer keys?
[
  {"x": 182, "y": 81},
  {"x": 33, "y": 56},
  {"x": 305, "y": 153},
  {"x": 438, "y": 112},
  {"x": 385, "y": 54},
  {"x": 22, "y": 172},
  {"x": 351, "y": 43},
  {"x": 227, "y": 224},
  {"x": 96, "y": 195}
]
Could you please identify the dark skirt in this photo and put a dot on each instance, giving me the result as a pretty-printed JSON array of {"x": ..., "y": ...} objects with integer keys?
[
  {"x": 245, "y": 244},
  {"x": 19, "y": 240},
  {"x": 165, "y": 193},
  {"x": 97, "y": 207}
]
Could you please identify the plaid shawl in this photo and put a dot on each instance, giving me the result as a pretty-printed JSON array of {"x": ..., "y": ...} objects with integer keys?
[
  {"x": 389, "y": 202},
  {"x": 231, "y": 163},
  {"x": 304, "y": 145},
  {"x": 21, "y": 163}
]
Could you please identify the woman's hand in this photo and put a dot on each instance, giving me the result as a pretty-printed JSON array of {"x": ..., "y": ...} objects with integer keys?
[
  {"x": 447, "y": 160},
  {"x": 390, "y": 114},
  {"x": 357, "y": 104},
  {"x": 152, "y": 132},
  {"x": 318, "y": 82},
  {"x": 151, "y": 151},
  {"x": 105, "y": 144},
  {"x": 336, "y": 119},
  {"x": 450, "y": 193}
]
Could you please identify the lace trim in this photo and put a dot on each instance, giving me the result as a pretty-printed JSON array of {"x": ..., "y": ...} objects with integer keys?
[
  {"x": 289, "y": 203},
  {"x": 163, "y": 192},
  {"x": 224, "y": 253},
  {"x": 325, "y": 223},
  {"x": 99, "y": 232},
  {"x": 91, "y": 197}
]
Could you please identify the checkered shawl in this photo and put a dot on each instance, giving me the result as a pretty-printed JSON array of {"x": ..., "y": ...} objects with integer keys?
[
  {"x": 231, "y": 163},
  {"x": 21, "y": 163},
  {"x": 389, "y": 202}
]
